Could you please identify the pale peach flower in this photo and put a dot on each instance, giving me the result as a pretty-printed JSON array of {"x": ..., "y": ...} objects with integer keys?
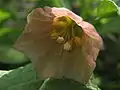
[{"x": 60, "y": 44}]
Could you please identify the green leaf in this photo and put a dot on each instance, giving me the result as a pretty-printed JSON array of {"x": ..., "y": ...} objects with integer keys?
[
  {"x": 113, "y": 26},
  {"x": 32, "y": 85},
  {"x": 16, "y": 77},
  {"x": 62, "y": 84},
  {"x": 58, "y": 3},
  {"x": 106, "y": 7},
  {"x": 119, "y": 11},
  {"x": 11, "y": 56},
  {"x": 4, "y": 31},
  {"x": 4, "y": 15}
]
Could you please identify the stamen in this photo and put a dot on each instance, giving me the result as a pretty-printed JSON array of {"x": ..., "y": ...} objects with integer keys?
[
  {"x": 60, "y": 40},
  {"x": 66, "y": 31},
  {"x": 67, "y": 46},
  {"x": 77, "y": 41}
]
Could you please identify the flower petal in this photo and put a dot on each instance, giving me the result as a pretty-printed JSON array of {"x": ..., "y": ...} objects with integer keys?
[{"x": 59, "y": 12}]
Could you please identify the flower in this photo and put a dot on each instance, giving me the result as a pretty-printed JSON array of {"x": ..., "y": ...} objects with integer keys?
[{"x": 60, "y": 44}]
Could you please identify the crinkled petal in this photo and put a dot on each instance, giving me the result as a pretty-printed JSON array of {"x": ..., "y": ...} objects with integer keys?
[{"x": 47, "y": 55}]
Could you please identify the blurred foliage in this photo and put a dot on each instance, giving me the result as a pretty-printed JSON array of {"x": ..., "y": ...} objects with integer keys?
[{"x": 103, "y": 14}]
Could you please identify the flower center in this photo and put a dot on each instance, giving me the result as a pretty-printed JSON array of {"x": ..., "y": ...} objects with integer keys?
[{"x": 67, "y": 32}]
